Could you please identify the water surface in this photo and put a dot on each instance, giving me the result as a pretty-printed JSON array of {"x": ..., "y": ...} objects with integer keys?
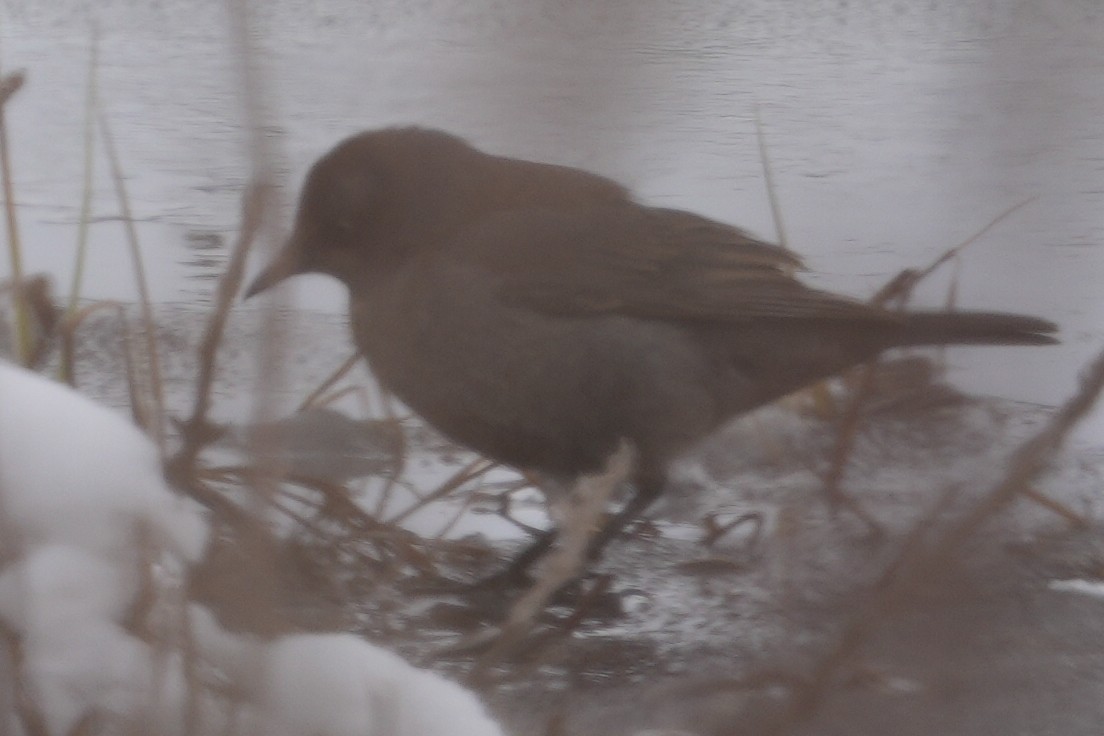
[{"x": 895, "y": 130}]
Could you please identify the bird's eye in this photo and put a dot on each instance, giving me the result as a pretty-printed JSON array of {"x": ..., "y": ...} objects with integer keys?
[
  {"x": 349, "y": 202},
  {"x": 338, "y": 196}
]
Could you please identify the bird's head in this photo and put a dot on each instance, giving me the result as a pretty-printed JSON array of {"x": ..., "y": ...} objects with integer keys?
[{"x": 372, "y": 202}]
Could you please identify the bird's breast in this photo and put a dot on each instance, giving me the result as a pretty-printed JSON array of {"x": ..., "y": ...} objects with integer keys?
[{"x": 514, "y": 385}]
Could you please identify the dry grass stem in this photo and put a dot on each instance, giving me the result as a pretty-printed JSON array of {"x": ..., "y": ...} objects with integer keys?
[
  {"x": 91, "y": 105},
  {"x": 768, "y": 178},
  {"x": 474, "y": 469},
  {"x": 193, "y": 429},
  {"x": 314, "y": 397},
  {"x": 1073, "y": 518},
  {"x": 156, "y": 425},
  {"x": 9, "y": 85},
  {"x": 900, "y": 287},
  {"x": 916, "y": 562},
  {"x": 898, "y": 290},
  {"x": 847, "y": 431}
]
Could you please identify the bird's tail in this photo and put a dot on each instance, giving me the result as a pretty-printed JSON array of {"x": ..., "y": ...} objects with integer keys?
[{"x": 976, "y": 328}]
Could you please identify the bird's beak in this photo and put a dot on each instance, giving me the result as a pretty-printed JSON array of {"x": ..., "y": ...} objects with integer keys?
[{"x": 287, "y": 262}]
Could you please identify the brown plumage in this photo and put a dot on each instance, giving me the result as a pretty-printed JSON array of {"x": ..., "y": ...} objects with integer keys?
[{"x": 538, "y": 315}]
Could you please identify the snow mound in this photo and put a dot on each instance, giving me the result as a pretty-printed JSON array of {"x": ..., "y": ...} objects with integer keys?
[{"x": 94, "y": 625}]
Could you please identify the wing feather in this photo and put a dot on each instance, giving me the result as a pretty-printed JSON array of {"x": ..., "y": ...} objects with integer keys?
[{"x": 646, "y": 262}]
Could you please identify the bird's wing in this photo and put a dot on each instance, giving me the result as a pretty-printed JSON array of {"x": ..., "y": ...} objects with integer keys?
[{"x": 653, "y": 263}]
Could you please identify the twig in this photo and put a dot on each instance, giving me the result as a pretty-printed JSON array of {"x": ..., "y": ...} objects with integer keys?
[
  {"x": 847, "y": 430},
  {"x": 1031, "y": 458},
  {"x": 459, "y": 514},
  {"x": 1058, "y": 509},
  {"x": 401, "y": 459},
  {"x": 898, "y": 288},
  {"x": 471, "y": 471},
  {"x": 914, "y": 563},
  {"x": 902, "y": 285},
  {"x": 345, "y": 367}
]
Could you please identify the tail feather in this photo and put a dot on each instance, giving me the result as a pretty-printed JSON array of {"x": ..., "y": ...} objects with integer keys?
[{"x": 976, "y": 328}]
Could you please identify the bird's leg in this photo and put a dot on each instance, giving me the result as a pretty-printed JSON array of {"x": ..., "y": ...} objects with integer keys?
[
  {"x": 646, "y": 489},
  {"x": 577, "y": 515},
  {"x": 517, "y": 571}
]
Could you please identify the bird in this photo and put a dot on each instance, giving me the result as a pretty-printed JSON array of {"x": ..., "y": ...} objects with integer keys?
[{"x": 540, "y": 315}]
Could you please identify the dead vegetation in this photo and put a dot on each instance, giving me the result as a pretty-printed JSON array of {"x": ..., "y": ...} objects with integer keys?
[{"x": 315, "y": 554}]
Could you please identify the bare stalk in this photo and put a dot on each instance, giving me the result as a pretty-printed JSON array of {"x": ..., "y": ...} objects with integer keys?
[
  {"x": 768, "y": 177},
  {"x": 9, "y": 85},
  {"x": 157, "y": 391}
]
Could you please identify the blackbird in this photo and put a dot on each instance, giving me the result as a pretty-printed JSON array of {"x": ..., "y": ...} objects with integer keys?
[{"x": 539, "y": 315}]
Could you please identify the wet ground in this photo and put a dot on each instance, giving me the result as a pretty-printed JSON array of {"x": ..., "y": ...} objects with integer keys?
[
  {"x": 904, "y": 633},
  {"x": 986, "y": 641}
]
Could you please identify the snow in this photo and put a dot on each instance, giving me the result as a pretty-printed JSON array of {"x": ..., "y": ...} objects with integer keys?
[
  {"x": 87, "y": 515},
  {"x": 337, "y": 685},
  {"x": 66, "y": 604},
  {"x": 76, "y": 473},
  {"x": 93, "y": 538},
  {"x": 1093, "y": 588},
  {"x": 312, "y": 677}
]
